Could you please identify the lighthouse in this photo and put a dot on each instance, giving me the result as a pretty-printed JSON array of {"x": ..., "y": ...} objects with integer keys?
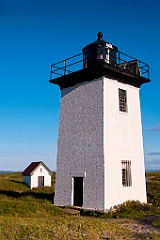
[{"x": 100, "y": 158}]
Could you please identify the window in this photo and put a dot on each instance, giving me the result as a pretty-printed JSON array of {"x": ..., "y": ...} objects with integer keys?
[
  {"x": 122, "y": 100},
  {"x": 126, "y": 174},
  {"x": 100, "y": 52},
  {"x": 40, "y": 169}
]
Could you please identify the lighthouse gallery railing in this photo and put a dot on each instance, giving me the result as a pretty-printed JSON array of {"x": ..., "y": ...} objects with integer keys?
[{"x": 123, "y": 61}]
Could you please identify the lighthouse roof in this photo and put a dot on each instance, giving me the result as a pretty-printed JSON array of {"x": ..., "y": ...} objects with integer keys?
[{"x": 99, "y": 42}]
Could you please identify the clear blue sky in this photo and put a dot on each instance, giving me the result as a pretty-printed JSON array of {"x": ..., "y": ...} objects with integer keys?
[{"x": 35, "y": 34}]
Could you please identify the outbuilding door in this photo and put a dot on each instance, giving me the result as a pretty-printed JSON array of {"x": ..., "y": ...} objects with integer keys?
[
  {"x": 78, "y": 191},
  {"x": 40, "y": 181}
]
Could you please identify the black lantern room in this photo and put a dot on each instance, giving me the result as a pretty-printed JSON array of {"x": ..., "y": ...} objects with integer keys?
[{"x": 97, "y": 51}]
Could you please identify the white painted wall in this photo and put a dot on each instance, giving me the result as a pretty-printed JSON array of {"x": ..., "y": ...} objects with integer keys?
[
  {"x": 122, "y": 141},
  {"x": 32, "y": 180},
  {"x": 93, "y": 139}
]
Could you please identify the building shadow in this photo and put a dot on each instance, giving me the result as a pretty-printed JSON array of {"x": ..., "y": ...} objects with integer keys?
[
  {"x": 37, "y": 195},
  {"x": 19, "y": 182}
]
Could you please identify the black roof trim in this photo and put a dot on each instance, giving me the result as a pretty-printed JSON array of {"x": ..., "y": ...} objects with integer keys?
[{"x": 99, "y": 70}]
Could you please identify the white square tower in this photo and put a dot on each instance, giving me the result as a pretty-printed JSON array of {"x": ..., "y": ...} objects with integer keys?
[{"x": 100, "y": 160}]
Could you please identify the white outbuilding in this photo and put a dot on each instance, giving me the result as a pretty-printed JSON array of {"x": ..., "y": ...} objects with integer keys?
[{"x": 37, "y": 174}]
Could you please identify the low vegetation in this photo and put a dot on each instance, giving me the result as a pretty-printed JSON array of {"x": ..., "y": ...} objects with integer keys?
[
  {"x": 153, "y": 188},
  {"x": 30, "y": 214}
]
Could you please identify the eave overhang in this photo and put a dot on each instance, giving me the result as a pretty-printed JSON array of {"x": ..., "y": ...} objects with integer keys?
[{"x": 101, "y": 69}]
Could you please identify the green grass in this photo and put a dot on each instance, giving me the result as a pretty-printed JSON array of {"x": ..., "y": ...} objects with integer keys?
[
  {"x": 68, "y": 227},
  {"x": 157, "y": 222},
  {"x": 153, "y": 188},
  {"x": 30, "y": 214}
]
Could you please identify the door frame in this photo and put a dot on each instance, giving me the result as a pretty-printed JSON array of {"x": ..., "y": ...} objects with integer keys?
[
  {"x": 73, "y": 191},
  {"x": 42, "y": 177},
  {"x": 74, "y": 174}
]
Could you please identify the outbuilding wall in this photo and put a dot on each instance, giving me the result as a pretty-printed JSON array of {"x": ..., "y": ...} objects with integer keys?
[
  {"x": 37, "y": 173},
  {"x": 27, "y": 180}
]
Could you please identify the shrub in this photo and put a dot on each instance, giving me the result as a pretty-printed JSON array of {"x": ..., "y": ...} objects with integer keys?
[{"x": 128, "y": 209}]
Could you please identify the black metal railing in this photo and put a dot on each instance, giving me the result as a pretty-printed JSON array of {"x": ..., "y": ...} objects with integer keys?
[{"x": 122, "y": 61}]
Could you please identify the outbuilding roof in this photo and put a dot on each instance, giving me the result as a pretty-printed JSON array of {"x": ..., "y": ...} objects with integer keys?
[{"x": 28, "y": 171}]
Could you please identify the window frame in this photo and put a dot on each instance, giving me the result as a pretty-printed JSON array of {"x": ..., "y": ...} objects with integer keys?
[
  {"x": 126, "y": 173},
  {"x": 122, "y": 94}
]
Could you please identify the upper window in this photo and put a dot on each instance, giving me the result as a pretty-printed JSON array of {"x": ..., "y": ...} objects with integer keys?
[
  {"x": 40, "y": 169},
  {"x": 122, "y": 100},
  {"x": 126, "y": 174}
]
